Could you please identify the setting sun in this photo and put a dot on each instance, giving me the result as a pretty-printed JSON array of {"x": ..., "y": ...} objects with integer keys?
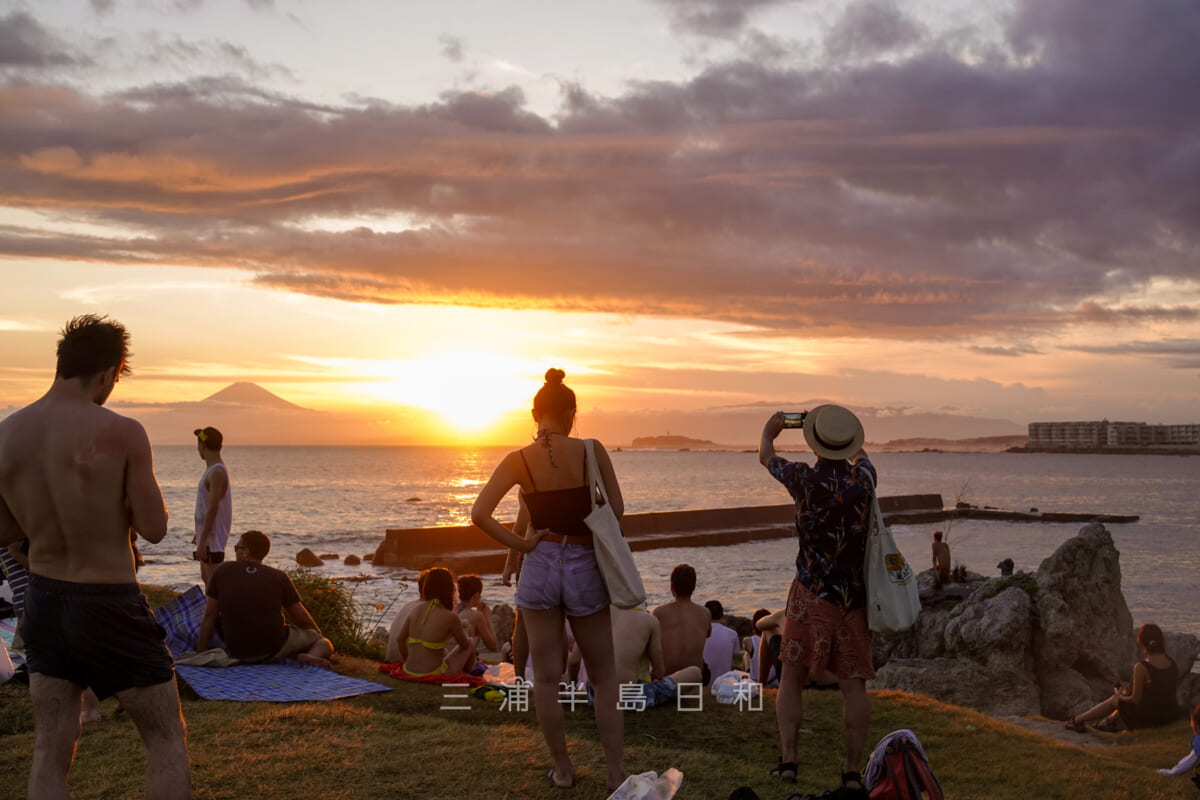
[{"x": 471, "y": 389}]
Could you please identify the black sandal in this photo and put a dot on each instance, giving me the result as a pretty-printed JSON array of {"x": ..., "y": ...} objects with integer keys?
[
  {"x": 859, "y": 791},
  {"x": 783, "y": 767}
]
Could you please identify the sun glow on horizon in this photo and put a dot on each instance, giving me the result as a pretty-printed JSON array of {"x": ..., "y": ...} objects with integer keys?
[{"x": 471, "y": 389}]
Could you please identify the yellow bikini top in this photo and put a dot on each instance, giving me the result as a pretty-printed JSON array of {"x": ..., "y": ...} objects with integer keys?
[{"x": 422, "y": 642}]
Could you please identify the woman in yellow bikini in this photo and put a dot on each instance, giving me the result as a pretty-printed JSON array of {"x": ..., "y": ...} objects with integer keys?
[{"x": 429, "y": 625}]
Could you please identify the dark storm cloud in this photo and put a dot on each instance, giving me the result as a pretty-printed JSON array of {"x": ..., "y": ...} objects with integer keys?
[
  {"x": 1177, "y": 353},
  {"x": 870, "y": 28},
  {"x": 1015, "y": 351},
  {"x": 716, "y": 18},
  {"x": 922, "y": 195},
  {"x": 25, "y": 43},
  {"x": 452, "y": 48}
]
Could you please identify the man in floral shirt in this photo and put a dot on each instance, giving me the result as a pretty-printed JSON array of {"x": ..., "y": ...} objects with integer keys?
[{"x": 826, "y": 621}]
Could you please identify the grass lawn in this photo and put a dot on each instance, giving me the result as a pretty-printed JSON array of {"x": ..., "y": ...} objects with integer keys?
[{"x": 400, "y": 745}]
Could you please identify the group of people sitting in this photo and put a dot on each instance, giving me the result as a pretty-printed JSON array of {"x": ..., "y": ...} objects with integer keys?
[{"x": 443, "y": 631}]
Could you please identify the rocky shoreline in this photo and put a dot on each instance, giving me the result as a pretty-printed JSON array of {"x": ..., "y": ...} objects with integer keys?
[{"x": 1051, "y": 642}]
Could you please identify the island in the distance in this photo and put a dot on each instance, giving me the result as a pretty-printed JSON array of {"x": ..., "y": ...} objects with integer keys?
[{"x": 674, "y": 442}]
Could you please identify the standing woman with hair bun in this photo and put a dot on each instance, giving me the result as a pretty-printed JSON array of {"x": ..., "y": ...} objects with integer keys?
[{"x": 560, "y": 576}]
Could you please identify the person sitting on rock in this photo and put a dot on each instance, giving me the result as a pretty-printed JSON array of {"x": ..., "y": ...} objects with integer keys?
[{"x": 1150, "y": 702}]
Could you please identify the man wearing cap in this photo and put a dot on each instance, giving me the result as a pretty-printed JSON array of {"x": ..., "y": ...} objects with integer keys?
[
  {"x": 825, "y": 626},
  {"x": 214, "y": 503}
]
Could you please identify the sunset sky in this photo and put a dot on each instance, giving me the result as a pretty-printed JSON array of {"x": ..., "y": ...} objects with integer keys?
[{"x": 981, "y": 208}]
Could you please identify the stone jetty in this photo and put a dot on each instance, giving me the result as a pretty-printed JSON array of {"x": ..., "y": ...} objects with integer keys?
[{"x": 465, "y": 548}]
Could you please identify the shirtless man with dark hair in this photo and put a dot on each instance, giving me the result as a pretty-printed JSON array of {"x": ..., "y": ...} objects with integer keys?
[
  {"x": 74, "y": 479},
  {"x": 685, "y": 625}
]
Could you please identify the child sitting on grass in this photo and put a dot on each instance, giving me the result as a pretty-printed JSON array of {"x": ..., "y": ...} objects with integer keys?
[{"x": 1193, "y": 757}]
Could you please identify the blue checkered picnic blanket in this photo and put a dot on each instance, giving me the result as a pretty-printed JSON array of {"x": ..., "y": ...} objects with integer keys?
[
  {"x": 181, "y": 618},
  {"x": 282, "y": 680}
]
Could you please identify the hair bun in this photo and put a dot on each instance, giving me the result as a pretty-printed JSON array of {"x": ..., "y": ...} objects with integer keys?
[{"x": 554, "y": 376}]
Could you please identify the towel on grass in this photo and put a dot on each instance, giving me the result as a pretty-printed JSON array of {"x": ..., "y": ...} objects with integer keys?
[
  {"x": 396, "y": 670},
  {"x": 280, "y": 681}
]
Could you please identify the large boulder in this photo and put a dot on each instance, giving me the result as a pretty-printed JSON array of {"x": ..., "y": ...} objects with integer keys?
[
  {"x": 1183, "y": 648},
  {"x": 1065, "y": 693},
  {"x": 1084, "y": 623},
  {"x": 993, "y": 626},
  {"x": 1053, "y": 642}
]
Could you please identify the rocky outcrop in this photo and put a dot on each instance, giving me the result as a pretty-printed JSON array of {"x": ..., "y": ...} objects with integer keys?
[
  {"x": 307, "y": 558},
  {"x": 1052, "y": 642}
]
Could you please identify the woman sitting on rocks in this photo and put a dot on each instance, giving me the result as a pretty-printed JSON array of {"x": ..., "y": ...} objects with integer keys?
[{"x": 1150, "y": 702}]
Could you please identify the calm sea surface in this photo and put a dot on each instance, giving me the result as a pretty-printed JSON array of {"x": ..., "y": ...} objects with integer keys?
[{"x": 342, "y": 499}]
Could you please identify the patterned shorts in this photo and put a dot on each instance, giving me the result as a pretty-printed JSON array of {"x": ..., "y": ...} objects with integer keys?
[{"x": 822, "y": 636}]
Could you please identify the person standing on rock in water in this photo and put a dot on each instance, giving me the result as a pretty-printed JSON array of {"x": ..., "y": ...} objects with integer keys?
[
  {"x": 941, "y": 559},
  {"x": 214, "y": 503},
  {"x": 826, "y": 619},
  {"x": 74, "y": 478}
]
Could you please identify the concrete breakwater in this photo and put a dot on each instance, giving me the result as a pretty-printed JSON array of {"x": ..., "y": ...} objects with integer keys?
[{"x": 465, "y": 548}]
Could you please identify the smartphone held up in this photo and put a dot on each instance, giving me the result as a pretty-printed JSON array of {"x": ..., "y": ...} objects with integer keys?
[{"x": 794, "y": 419}]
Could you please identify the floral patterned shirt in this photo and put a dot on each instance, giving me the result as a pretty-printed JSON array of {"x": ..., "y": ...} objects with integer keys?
[{"x": 833, "y": 508}]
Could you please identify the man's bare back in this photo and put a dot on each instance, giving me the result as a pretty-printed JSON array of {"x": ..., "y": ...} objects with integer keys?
[
  {"x": 74, "y": 477},
  {"x": 685, "y": 627},
  {"x": 637, "y": 639}
]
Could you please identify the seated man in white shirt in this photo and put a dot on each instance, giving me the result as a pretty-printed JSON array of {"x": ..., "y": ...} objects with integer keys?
[{"x": 721, "y": 644}]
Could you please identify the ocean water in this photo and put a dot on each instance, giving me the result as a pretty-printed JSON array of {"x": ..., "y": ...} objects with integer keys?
[{"x": 342, "y": 500}]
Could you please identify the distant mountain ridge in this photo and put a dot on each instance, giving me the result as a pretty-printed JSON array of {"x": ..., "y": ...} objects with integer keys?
[{"x": 245, "y": 393}]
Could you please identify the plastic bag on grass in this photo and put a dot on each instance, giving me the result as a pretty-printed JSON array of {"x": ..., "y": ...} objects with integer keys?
[
  {"x": 735, "y": 684},
  {"x": 649, "y": 786}
]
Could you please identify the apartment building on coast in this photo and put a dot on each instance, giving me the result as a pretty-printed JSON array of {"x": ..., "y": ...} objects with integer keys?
[{"x": 1093, "y": 434}]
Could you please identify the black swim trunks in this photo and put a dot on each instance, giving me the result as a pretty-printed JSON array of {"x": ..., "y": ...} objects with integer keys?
[{"x": 101, "y": 636}]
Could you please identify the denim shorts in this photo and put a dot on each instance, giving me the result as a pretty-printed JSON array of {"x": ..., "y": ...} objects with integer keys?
[
  {"x": 562, "y": 575},
  {"x": 655, "y": 693}
]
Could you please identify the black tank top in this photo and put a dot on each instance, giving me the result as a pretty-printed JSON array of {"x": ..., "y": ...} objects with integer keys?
[{"x": 560, "y": 510}]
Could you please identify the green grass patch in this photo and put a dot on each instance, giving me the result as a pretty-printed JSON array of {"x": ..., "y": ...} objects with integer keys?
[
  {"x": 401, "y": 744},
  {"x": 332, "y": 606}
]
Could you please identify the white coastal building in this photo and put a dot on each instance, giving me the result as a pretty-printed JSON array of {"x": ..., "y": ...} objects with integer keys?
[{"x": 1111, "y": 434}]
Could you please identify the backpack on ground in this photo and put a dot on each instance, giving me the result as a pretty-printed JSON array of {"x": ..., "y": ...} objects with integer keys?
[{"x": 898, "y": 769}]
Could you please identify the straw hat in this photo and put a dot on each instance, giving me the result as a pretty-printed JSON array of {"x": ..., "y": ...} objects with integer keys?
[{"x": 833, "y": 432}]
